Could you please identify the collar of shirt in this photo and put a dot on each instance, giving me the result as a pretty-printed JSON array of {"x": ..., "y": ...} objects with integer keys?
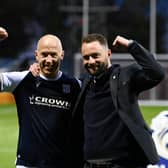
[
  {"x": 103, "y": 76},
  {"x": 56, "y": 78}
]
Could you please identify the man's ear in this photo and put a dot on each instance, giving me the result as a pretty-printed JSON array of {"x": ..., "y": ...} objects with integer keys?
[
  {"x": 36, "y": 55},
  {"x": 62, "y": 55},
  {"x": 109, "y": 52}
]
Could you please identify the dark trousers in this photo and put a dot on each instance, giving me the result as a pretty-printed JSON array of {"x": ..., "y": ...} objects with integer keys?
[{"x": 109, "y": 164}]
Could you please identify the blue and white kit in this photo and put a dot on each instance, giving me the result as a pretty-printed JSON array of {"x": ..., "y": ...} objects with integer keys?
[{"x": 44, "y": 110}]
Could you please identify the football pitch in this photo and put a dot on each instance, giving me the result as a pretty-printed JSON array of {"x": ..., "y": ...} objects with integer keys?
[
  {"x": 9, "y": 131},
  {"x": 8, "y": 135}
]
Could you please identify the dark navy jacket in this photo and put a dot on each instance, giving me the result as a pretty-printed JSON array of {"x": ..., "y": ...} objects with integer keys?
[
  {"x": 126, "y": 83},
  {"x": 45, "y": 120}
]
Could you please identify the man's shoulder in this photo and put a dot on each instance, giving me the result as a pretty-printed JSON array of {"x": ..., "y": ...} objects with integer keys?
[
  {"x": 131, "y": 67},
  {"x": 70, "y": 79}
]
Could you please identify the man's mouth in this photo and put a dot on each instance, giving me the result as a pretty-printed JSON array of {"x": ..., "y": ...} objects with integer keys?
[{"x": 49, "y": 68}]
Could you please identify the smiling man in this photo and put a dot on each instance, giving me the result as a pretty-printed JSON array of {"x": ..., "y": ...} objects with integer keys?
[
  {"x": 49, "y": 55},
  {"x": 44, "y": 107},
  {"x": 115, "y": 133}
]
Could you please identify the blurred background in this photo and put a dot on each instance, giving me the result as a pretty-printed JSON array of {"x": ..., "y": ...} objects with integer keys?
[{"x": 26, "y": 21}]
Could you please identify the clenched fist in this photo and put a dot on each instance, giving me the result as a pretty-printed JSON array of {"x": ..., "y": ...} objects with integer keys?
[{"x": 3, "y": 33}]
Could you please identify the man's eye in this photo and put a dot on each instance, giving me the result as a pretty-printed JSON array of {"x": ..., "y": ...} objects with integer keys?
[
  {"x": 86, "y": 57},
  {"x": 54, "y": 55},
  {"x": 95, "y": 55},
  {"x": 44, "y": 55}
]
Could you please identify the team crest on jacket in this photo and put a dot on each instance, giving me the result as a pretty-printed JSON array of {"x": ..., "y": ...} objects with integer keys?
[{"x": 66, "y": 88}]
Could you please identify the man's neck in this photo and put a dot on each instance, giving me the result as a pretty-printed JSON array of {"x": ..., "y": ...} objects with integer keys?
[{"x": 59, "y": 74}]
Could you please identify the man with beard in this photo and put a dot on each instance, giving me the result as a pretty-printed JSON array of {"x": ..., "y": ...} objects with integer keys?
[
  {"x": 44, "y": 108},
  {"x": 115, "y": 133}
]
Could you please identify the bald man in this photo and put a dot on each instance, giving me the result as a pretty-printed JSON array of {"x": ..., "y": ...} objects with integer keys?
[{"x": 44, "y": 107}]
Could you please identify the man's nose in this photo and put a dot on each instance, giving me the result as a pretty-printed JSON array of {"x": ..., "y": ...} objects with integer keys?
[
  {"x": 91, "y": 60},
  {"x": 49, "y": 58}
]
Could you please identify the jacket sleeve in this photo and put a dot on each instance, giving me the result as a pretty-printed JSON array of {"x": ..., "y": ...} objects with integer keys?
[
  {"x": 149, "y": 72},
  {"x": 10, "y": 80}
]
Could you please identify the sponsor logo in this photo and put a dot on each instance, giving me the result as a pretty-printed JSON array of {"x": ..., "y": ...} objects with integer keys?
[{"x": 51, "y": 102}]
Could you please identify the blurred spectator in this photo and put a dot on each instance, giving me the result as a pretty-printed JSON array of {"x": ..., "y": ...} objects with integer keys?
[{"x": 159, "y": 126}]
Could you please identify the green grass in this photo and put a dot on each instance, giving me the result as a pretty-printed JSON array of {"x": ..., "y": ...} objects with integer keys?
[
  {"x": 151, "y": 111},
  {"x": 8, "y": 135},
  {"x": 9, "y": 131}
]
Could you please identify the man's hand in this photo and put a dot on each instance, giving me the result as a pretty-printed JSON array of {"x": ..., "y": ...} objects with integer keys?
[
  {"x": 34, "y": 69},
  {"x": 3, "y": 33},
  {"x": 121, "y": 41}
]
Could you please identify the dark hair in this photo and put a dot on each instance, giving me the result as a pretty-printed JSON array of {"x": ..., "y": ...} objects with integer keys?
[{"x": 95, "y": 37}]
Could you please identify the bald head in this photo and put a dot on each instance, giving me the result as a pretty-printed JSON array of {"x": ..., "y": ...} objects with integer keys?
[
  {"x": 49, "y": 40},
  {"x": 49, "y": 54}
]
